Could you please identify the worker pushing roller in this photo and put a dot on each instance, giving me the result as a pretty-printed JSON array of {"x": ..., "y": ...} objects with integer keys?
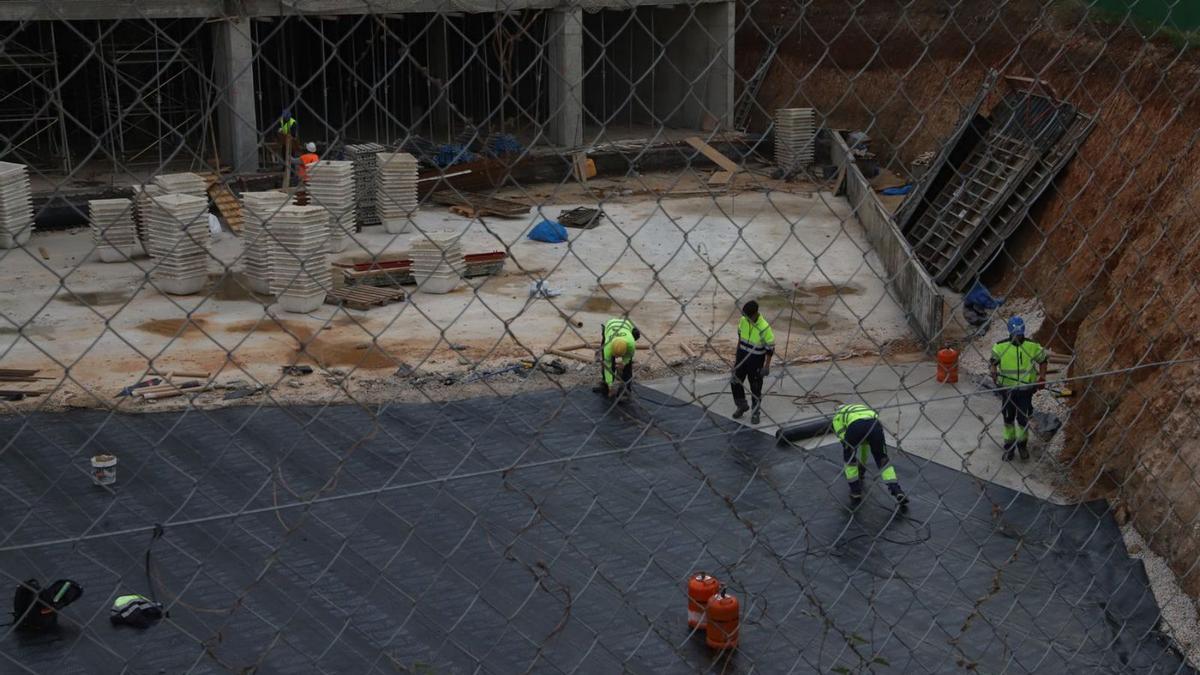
[
  {"x": 618, "y": 340},
  {"x": 1018, "y": 366},
  {"x": 859, "y": 429}
]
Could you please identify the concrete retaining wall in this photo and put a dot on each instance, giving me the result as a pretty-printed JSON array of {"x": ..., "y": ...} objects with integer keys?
[{"x": 915, "y": 290}]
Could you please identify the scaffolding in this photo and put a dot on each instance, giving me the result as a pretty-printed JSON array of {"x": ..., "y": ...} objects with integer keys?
[
  {"x": 32, "y": 125},
  {"x": 153, "y": 92}
]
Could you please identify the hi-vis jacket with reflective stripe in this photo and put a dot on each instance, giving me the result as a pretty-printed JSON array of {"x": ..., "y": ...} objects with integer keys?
[
  {"x": 755, "y": 338},
  {"x": 849, "y": 414},
  {"x": 1018, "y": 364}
]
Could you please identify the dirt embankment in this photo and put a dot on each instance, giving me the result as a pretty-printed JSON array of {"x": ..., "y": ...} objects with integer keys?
[{"x": 1113, "y": 252}]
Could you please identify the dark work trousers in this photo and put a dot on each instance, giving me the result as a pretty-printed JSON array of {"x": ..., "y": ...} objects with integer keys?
[
  {"x": 749, "y": 366},
  {"x": 865, "y": 431},
  {"x": 1018, "y": 406}
]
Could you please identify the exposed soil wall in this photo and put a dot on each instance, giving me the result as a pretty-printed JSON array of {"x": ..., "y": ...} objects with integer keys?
[{"x": 1113, "y": 252}]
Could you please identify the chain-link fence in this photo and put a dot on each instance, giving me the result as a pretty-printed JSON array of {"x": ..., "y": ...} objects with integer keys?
[{"x": 382, "y": 337}]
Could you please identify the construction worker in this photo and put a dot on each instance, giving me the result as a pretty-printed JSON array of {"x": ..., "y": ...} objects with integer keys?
[
  {"x": 859, "y": 429},
  {"x": 287, "y": 135},
  {"x": 756, "y": 348},
  {"x": 1018, "y": 367},
  {"x": 618, "y": 340},
  {"x": 307, "y": 159}
]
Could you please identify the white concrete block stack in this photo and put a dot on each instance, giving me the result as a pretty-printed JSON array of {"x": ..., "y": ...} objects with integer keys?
[
  {"x": 142, "y": 194},
  {"x": 795, "y": 134},
  {"x": 258, "y": 208},
  {"x": 177, "y": 231},
  {"x": 437, "y": 261},
  {"x": 300, "y": 258},
  {"x": 16, "y": 205},
  {"x": 365, "y": 169},
  {"x": 113, "y": 229},
  {"x": 331, "y": 187},
  {"x": 183, "y": 183},
  {"x": 396, "y": 190}
]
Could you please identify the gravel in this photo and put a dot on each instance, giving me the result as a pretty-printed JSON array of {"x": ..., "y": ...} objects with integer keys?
[{"x": 1179, "y": 617}]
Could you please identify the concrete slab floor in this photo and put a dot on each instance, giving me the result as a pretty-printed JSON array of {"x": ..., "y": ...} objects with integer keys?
[
  {"x": 679, "y": 268},
  {"x": 954, "y": 425}
]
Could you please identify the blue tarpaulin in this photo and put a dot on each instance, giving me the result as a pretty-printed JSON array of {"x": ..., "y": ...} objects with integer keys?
[{"x": 548, "y": 231}]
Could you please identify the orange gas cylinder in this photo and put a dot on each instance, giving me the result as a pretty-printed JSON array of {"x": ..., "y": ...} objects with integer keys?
[
  {"x": 723, "y": 617},
  {"x": 701, "y": 587},
  {"x": 947, "y": 365}
]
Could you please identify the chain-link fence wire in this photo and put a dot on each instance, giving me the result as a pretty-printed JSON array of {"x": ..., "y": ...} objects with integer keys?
[{"x": 373, "y": 490}]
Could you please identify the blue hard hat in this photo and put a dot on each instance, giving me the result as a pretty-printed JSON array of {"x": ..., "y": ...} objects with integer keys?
[{"x": 1016, "y": 326}]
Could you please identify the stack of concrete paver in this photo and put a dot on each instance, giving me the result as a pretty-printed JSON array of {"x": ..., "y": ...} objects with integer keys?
[
  {"x": 795, "y": 133},
  {"x": 437, "y": 262},
  {"x": 300, "y": 258},
  {"x": 183, "y": 183},
  {"x": 259, "y": 208},
  {"x": 331, "y": 187},
  {"x": 142, "y": 195},
  {"x": 16, "y": 205},
  {"x": 177, "y": 234},
  {"x": 365, "y": 167},
  {"x": 396, "y": 190},
  {"x": 113, "y": 229}
]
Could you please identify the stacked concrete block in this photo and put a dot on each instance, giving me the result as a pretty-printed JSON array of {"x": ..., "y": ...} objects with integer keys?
[
  {"x": 16, "y": 205},
  {"x": 396, "y": 190},
  {"x": 331, "y": 187},
  {"x": 795, "y": 134},
  {"x": 113, "y": 230},
  {"x": 437, "y": 262},
  {"x": 300, "y": 258},
  {"x": 183, "y": 183},
  {"x": 365, "y": 169},
  {"x": 142, "y": 194},
  {"x": 258, "y": 208},
  {"x": 177, "y": 232}
]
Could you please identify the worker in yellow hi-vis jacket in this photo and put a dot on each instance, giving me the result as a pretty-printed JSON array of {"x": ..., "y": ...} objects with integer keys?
[
  {"x": 859, "y": 429},
  {"x": 618, "y": 341}
]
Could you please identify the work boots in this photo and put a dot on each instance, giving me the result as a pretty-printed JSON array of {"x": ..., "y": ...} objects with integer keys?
[
  {"x": 741, "y": 410},
  {"x": 856, "y": 493},
  {"x": 1023, "y": 448},
  {"x": 898, "y": 495},
  {"x": 754, "y": 418},
  {"x": 1009, "y": 447}
]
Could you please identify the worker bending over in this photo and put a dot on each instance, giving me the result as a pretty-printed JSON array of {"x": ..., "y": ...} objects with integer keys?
[
  {"x": 1018, "y": 366},
  {"x": 859, "y": 429},
  {"x": 756, "y": 348},
  {"x": 618, "y": 341}
]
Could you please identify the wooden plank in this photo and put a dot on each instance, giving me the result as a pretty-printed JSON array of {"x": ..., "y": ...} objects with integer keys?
[
  {"x": 720, "y": 177},
  {"x": 570, "y": 355},
  {"x": 711, "y": 153}
]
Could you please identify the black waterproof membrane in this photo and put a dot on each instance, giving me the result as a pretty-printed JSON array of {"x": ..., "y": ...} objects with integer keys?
[{"x": 542, "y": 533}]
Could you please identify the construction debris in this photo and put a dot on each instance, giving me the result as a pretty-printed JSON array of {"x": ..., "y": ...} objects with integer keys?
[
  {"x": 383, "y": 271},
  {"x": 475, "y": 205},
  {"x": 581, "y": 217},
  {"x": 228, "y": 206},
  {"x": 484, "y": 264},
  {"x": 728, "y": 166},
  {"x": 297, "y": 370},
  {"x": 363, "y": 297}
]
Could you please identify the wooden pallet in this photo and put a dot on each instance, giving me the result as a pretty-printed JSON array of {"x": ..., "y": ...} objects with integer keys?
[
  {"x": 227, "y": 204},
  {"x": 475, "y": 205},
  {"x": 363, "y": 297}
]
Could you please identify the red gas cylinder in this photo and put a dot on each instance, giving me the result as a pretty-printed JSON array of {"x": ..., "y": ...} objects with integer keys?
[
  {"x": 701, "y": 587},
  {"x": 723, "y": 617},
  {"x": 947, "y": 365}
]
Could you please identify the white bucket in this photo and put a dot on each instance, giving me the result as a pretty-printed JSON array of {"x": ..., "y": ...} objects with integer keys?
[{"x": 104, "y": 469}]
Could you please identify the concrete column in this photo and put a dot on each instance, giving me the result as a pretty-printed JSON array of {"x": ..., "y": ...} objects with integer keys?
[
  {"x": 237, "y": 126},
  {"x": 718, "y": 19},
  {"x": 565, "y": 91}
]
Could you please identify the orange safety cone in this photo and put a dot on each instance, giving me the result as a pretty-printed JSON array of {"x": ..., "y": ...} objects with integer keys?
[
  {"x": 701, "y": 587},
  {"x": 722, "y": 621},
  {"x": 947, "y": 365}
]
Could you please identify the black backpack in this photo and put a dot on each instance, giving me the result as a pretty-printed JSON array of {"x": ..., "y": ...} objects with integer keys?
[{"x": 36, "y": 608}]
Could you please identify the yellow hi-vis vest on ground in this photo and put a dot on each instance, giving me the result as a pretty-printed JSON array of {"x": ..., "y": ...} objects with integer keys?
[
  {"x": 849, "y": 414},
  {"x": 756, "y": 338},
  {"x": 1018, "y": 364}
]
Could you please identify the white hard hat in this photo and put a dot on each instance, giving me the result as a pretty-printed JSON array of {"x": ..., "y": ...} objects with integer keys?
[{"x": 310, "y": 146}]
